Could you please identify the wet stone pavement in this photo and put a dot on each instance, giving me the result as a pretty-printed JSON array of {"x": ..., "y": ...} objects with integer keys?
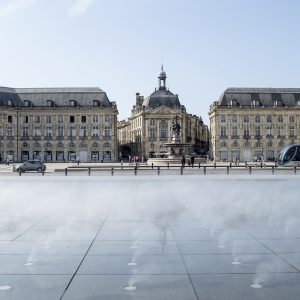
[{"x": 160, "y": 238}]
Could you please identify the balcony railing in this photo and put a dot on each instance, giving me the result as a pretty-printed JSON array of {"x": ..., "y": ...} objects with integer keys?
[
  {"x": 223, "y": 137},
  {"x": 48, "y": 138},
  {"x": 258, "y": 136},
  {"x": 270, "y": 136},
  {"x": 36, "y": 137},
  {"x": 246, "y": 137},
  {"x": 10, "y": 138},
  {"x": 292, "y": 136},
  {"x": 280, "y": 136},
  {"x": 107, "y": 138},
  {"x": 235, "y": 137}
]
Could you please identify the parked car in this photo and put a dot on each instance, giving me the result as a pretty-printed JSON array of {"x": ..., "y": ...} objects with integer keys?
[{"x": 31, "y": 165}]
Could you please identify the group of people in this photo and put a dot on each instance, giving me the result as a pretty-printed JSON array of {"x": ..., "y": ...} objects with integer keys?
[{"x": 190, "y": 161}]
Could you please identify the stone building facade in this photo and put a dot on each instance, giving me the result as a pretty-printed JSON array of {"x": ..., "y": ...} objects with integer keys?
[
  {"x": 150, "y": 124},
  {"x": 249, "y": 123},
  {"x": 57, "y": 124}
]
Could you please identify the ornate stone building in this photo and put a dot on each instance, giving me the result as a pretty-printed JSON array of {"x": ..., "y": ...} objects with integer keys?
[
  {"x": 249, "y": 123},
  {"x": 57, "y": 124},
  {"x": 150, "y": 124}
]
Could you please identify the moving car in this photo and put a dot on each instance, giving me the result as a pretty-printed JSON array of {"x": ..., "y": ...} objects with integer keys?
[{"x": 31, "y": 165}]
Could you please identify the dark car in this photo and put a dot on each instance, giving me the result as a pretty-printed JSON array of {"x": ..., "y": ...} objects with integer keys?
[{"x": 31, "y": 165}]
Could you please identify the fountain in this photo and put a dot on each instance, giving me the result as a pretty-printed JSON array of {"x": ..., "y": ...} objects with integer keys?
[{"x": 175, "y": 149}]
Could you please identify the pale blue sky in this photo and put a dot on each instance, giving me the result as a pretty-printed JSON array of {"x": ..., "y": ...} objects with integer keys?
[{"x": 117, "y": 45}]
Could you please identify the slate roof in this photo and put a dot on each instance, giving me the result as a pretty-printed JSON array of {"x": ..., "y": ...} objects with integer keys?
[
  {"x": 267, "y": 97},
  {"x": 162, "y": 97},
  {"x": 60, "y": 96}
]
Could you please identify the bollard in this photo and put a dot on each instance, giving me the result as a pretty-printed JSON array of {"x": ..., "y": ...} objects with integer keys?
[
  {"x": 112, "y": 171},
  {"x": 199, "y": 165},
  {"x": 204, "y": 170},
  {"x": 43, "y": 172},
  {"x": 227, "y": 170},
  {"x": 168, "y": 166},
  {"x": 89, "y": 171},
  {"x": 20, "y": 173},
  {"x": 295, "y": 170},
  {"x": 158, "y": 170},
  {"x": 272, "y": 170},
  {"x": 135, "y": 170},
  {"x": 246, "y": 164},
  {"x": 249, "y": 169},
  {"x": 181, "y": 170},
  {"x": 230, "y": 165},
  {"x": 261, "y": 165},
  {"x": 152, "y": 166},
  {"x": 215, "y": 165},
  {"x": 66, "y": 171}
]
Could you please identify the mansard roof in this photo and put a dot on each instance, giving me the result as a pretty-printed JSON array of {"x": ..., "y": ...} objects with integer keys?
[
  {"x": 265, "y": 97},
  {"x": 60, "y": 96}
]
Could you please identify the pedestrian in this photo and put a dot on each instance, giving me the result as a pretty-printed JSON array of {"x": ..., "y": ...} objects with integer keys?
[
  {"x": 78, "y": 161},
  {"x": 7, "y": 161},
  {"x": 183, "y": 161},
  {"x": 192, "y": 160}
]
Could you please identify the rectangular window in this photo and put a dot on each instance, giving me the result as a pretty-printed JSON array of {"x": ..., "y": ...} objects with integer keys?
[
  {"x": 222, "y": 118},
  {"x": 95, "y": 132},
  {"x": 37, "y": 131},
  {"x": 223, "y": 131},
  {"x": 37, "y": 119},
  {"x": 269, "y": 118},
  {"x": 246, "y": 131},
  {"x": 9, "y": 119},
  {"x": 246, "y": 119},
  {"x": 269, "y": 131},
  {"x": 280, "y": 131},
  {"x": 60, "y": 131},
  {"x": 152, "y": 133},
  {"x": 48, "y": 119},
  {"x": 257, "y": 119},
  {"x": 9, "y": 131},
  {"x": 106, "y": 131},
  {"x": 72, "y": 131},
  {"x": 292, "y": 131},
  {"x": 163, "y": 133},
  {"x": 60, "y": 119},
  {"x": 257, "y": 131},
  {"x": 234, "y": 118},
  {"x": 152, "y": 122},
  {"x": 95, "y": 118},
  {"x": 25, "y": 119},
  {"x": 83, "y": 131},
  {"x": 48, "y": 131},
  {"x": 107, "y": 118},
  {"x": 25, "y": 131},
  {"x": 72, "y": 119},
  {"x": 83, "y": 119},
  {"x": 234, "y": 131}
]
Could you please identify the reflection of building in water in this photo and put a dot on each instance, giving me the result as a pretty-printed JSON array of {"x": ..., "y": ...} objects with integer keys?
[
  {"x": 249, "y": 123},
  {"x": 151, "y": 124},
  {"x": 57, "y": 124}
]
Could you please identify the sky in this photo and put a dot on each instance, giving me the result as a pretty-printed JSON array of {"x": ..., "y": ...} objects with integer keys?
[{"x": 119, "y": 46}]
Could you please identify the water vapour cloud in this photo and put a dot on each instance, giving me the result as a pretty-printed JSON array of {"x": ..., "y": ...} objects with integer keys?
[
  {"x": 80, "y": 7},
  {"x": 12, "y": 6}
]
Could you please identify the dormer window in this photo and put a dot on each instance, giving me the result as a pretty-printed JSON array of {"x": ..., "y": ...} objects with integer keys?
[
  {"x": 27, "y": 103},
  {"x": 95, "y": 103},
  {"x": 233, "y": 103},
  {"x": 50, "y": 103},
  {"x": 8, "y": 102},
  {"x": 72, "y": 103},
  {"x": 255, "y": 103}
]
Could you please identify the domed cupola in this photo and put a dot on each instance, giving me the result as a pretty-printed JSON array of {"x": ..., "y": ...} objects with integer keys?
[{"x": 162, "y": 79}]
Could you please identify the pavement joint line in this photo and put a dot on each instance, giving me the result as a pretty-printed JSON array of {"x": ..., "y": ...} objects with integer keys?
[
  {"x": 32, "y": 226},
  {"x": 186, "y": 269},
  {"x": 276, "y": 253},
  {"x": 84, "y": 256}
]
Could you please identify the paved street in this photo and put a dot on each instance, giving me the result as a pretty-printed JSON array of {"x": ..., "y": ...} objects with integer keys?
[{"x": 167, "y": 237}]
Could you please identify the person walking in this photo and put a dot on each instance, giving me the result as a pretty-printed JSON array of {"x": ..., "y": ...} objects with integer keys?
[{"x": 183, "y": 161}]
